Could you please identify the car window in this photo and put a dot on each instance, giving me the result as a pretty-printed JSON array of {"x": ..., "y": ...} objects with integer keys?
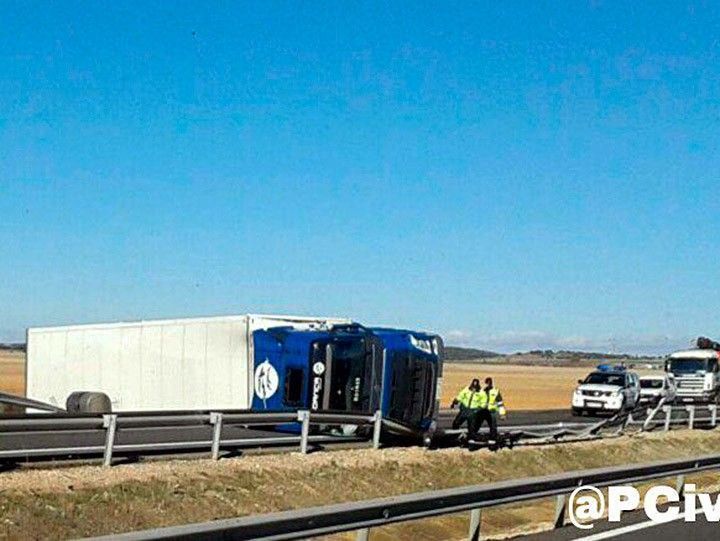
[{"x": 604, "y": 378}]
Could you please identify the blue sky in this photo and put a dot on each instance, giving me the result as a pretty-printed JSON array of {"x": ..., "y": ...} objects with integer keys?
[{"x": 512, "y": 176}]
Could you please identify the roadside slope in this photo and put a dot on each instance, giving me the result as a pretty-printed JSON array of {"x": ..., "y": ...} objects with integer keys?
[{"x": 81, "y": 501}]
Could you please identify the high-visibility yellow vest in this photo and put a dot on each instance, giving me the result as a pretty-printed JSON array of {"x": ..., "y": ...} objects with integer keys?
[
  {"x": 478, "y": 399},
  {"x": 492, "y": 401},
  {"x": 463, "y": 397}
]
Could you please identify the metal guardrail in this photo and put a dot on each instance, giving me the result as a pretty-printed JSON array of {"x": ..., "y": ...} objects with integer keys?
[
  {"x": 40, "y": 437},
  {"x": 84, "y": 436},
  {"x": 363, "y": 515},
  {"x": 21, "y": 402},
  {"x": 690, "y": 416},
  {"x": 107, "y": 426}
]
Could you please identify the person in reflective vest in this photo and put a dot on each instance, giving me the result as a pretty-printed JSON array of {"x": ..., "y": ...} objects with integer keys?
[
  {"x": 491, "y": 404},
  {"x": 465, "y": 399}
]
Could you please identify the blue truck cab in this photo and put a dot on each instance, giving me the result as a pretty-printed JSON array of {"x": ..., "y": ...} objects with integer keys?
[{"x": 351, "y": 369}]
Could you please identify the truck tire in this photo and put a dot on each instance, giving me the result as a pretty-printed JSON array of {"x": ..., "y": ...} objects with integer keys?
[
  {"x": 72, "y": 404},
  {"x": 95, "y": 402},
  {"x": 81, "y": 402}
]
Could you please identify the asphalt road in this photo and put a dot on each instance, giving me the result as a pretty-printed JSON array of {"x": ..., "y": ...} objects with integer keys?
[
  {"x": 523, "y": 417},
  {"x": 129, "y": 436},
  {"x": 202, "y": 435}
]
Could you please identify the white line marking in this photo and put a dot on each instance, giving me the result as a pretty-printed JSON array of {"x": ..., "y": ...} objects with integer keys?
[{"x": 631, "y": 528}]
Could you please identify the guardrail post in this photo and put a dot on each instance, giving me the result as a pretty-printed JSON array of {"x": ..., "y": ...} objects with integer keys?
[
  {"x": 652, "y": 412},
  {"x": 110, "y": 425},
  {"x": 216, "y": 421},
  {"x": 363, "y": 535},
  {"x": 649, "y": 417},
  {"x": 713, "y": 413},
  {"x": 668, "y": 414},
  {"x": 560, "y": 506},
  {"x": 304, "y": 418},
  {"x": 474, "y": 529},
  {"x": 680, "y": 485},
  {"x": 377, "y": 429},
  {"x": 691, "y": 417}
]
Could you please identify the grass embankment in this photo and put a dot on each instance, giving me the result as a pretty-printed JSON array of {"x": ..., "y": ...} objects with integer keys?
[{"x": 83, "y": 501}]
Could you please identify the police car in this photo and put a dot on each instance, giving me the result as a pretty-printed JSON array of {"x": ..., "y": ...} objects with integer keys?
[{"x": 606, "y": 390}]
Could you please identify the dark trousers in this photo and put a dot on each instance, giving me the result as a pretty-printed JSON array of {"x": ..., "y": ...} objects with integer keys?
[
  {"x": 463, "y": 416},
  {"x": 489, "y": 417}
]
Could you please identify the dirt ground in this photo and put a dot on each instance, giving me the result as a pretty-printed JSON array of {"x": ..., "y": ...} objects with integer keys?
[
  {"x": 12, "y": 372},
  {"x": 80, "y": 501}
]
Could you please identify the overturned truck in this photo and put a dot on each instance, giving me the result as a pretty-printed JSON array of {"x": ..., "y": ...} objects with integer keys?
[{"x": 247, "y": 362}]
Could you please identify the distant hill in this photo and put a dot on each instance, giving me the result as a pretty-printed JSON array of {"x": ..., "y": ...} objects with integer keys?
[
  {"x": 12, "y": 347},
  {"x": 580, "y": 355},
  {"x": 453, "y": 353},
  {"x": 544, "y": 357}
]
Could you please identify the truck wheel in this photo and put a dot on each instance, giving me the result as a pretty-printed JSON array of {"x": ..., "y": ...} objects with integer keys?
[
  {"x": 88, "y": 402},
  {"x": 95, "y": 402},
  {"x": 72, "y": 404}
]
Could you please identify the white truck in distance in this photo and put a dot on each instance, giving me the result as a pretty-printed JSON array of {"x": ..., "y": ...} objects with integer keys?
[{"x": 696, "y": 371}]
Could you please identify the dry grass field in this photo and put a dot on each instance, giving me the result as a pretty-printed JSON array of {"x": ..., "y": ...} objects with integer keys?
[
  {"x": 12, "y": 372},
  {"x": 522, "y": 387}
]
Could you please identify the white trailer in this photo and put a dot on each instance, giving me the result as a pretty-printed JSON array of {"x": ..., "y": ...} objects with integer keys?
[{"x": 174, "y": 364}]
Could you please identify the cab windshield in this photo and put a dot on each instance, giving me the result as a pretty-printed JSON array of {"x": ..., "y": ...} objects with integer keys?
[
  {"x": 687, "y": 366},
  {"x": 412, "y": 386},
  {"x": 651, "y": 383},
  {"x": 602, "y": 378}
]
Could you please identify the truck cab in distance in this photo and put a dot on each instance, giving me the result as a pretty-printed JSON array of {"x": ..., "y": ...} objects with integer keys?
[
  {"x": 696, "y": 372},
  {"x": 606, "y": 391}
]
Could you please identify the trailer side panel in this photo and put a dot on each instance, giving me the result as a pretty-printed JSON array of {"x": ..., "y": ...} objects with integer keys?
[{"x": 152, "y": 365}]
